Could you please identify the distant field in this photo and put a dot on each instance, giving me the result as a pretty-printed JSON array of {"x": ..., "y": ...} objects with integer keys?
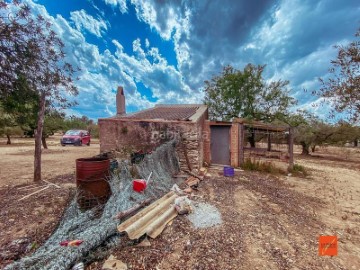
[{"x": 16, "y": 163}]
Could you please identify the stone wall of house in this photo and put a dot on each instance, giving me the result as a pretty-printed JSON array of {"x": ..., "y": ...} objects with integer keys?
[
  {"x": 207, "y": 140},
  {"x": 202, "y": 136},
  {"x": 189, "y": 148},
  {"x": 125, "y": 137}
]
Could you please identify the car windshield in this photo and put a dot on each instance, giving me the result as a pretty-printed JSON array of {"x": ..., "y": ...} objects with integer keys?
[{"x": 72, "y": 132}]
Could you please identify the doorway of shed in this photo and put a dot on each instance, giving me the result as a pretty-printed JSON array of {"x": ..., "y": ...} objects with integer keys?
[{"x": 220, "y": 145}]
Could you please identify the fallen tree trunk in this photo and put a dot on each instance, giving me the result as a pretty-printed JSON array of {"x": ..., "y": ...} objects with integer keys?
[{"x": 99, "y": 233}]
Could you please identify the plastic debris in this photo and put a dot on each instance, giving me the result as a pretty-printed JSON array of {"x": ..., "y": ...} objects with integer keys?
[
  {"x": 72, "y": 243},
  {"x": 177, "y": 190},
  {"x": 78, "y": 266},
  {"x": 114, "y": 264}
]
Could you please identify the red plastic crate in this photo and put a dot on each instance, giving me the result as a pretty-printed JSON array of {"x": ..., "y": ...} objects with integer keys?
[{"x": 139, "y": 185}]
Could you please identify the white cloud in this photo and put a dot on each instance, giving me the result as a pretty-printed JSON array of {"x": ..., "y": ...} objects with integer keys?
[
  {"x": 293, "y": 38},
  {"x": 171, "y": 21},
  {"x": 82, "y": 20},
  {"x": 101, "y": 73},
  {"x": 156, "y": 75},
  {"x": 121, "y": 3}
]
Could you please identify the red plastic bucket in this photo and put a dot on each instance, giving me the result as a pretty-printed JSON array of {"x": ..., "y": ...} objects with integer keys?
[{"x": 139, "y": 185}]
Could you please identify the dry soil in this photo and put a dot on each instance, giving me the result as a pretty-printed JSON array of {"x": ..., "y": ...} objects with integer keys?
[{"x": 269, "y": 222}]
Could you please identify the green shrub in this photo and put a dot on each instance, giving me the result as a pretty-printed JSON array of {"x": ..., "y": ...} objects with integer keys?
[
  {"x": 298, "y": 170},
  {"x": 257, "y": 165}
]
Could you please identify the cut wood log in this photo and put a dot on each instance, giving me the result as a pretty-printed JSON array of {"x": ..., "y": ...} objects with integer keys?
[
  {"x": 133, "y": 209},
  {"x": 192, "y": 181},
  {"x": 180, "y": 176},
  {"x": 188, "y": 190},
  {"x": 202, "y": 171}
]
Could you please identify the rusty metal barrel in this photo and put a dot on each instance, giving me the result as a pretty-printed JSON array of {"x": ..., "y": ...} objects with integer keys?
[{"x": 92, "y": 176}]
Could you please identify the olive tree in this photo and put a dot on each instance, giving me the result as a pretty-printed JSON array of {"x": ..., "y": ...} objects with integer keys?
[
  {"x": 235, "y": 93},
  {"x": 32, "y": 57},
  {"x": 342, "y": 89}
]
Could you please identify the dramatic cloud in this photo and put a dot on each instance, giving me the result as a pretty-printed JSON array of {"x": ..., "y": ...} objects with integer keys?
[
  {"x": 101, "y": 73},
  {"x": 84, "y": 21},
  {"x": 163, "y": 51},
  {"x": 293, "y": 38},
  {"x": 121, "y": 3}
]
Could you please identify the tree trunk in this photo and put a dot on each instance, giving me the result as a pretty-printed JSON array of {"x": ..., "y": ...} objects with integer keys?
[
  {"x": 305, "y": 149},
  {"x": 43, "y": 141},
  {"x": 356, "y": 143},
  {"x": 8, "y": 139},
  {"x": 313, "y": 148},
  {"x": 38, "y": 137}
]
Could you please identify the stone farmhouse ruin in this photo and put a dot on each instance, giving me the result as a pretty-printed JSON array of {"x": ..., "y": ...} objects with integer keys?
[{"x": 202, "y": 142}]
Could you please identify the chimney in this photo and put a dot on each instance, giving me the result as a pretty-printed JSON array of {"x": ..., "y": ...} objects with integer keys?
[{"x": 120, "y": 101}]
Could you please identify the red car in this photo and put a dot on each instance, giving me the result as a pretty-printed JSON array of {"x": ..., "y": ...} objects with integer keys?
[{"x": 76, "y": 137}]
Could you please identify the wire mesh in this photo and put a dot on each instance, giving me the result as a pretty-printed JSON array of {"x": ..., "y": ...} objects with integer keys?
[{"x": 96, "y": 226}]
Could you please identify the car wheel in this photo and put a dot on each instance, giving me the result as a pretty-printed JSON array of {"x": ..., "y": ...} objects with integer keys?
[{"x": 88, "y": 144}]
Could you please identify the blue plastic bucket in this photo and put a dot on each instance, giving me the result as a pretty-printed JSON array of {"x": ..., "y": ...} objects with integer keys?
[{"x": 228, "y": 171}]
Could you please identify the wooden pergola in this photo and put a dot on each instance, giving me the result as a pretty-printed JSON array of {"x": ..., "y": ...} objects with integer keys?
[{"x": 268, "y": 129}]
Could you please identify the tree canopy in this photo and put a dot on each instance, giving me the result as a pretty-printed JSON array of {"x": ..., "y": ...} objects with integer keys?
[
  {"x": 245, "y": 94},
  {"x": 342, "y": 89}
]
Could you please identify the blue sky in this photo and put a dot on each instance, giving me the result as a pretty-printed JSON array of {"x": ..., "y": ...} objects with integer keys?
[{"x": 163, "y": 51}]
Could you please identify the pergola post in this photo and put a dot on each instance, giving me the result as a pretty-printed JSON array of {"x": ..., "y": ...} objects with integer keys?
[
  {"x": 269, "y": 141},
  {"x": 291, "y": 148},
  {"x": 241, "y": 143}
]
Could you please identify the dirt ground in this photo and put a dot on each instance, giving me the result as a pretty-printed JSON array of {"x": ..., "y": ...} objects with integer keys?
[
  {"x": 269, "y": 222},
  {"x": 25, "y": 224},
  {"x": 17, "y": 159}
]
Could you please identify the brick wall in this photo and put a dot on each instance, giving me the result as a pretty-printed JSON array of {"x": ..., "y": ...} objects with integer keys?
[
  {"x": 126, "y": 136},
  {"x": 234, "y": 145}
]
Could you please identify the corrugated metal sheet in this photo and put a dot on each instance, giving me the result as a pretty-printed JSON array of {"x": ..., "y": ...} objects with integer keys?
[{"x": 151, "y": 220}]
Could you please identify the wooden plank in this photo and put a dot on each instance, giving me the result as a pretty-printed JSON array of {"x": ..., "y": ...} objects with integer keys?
[{"x": 38, "y": 191}]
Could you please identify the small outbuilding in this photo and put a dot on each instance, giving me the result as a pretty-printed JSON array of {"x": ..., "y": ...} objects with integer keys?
[
  {"x": 201, "y": 142},
  {"x": 234, "y": 143},
  {"x": 145, "y": 130}
]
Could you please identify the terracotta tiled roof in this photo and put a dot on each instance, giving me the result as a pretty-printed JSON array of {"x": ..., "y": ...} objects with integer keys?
[{"x": 165, "y": 112}]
